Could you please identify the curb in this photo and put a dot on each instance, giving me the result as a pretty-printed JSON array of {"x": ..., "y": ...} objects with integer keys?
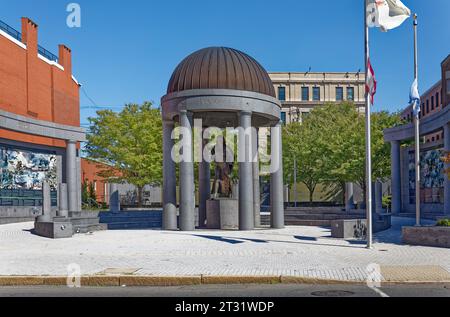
[{"x": 144, "y": 280}]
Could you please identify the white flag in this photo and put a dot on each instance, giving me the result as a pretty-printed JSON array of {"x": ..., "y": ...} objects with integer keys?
[
  {"x": 414, "y": 97},
  {"x": 387, "y": 14}
]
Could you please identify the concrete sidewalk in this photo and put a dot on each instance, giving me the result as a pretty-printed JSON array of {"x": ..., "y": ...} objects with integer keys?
[{"x": 291, "y": 255}]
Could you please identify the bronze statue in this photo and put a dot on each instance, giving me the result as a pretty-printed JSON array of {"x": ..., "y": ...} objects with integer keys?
[{"x": 223, "y": 183}]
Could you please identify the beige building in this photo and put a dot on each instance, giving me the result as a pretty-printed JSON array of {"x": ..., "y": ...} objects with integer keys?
[{"x": 299, "y": 93}]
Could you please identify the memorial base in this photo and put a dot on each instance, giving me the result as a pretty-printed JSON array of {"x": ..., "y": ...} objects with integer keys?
[{"x": 222, "y": 214}]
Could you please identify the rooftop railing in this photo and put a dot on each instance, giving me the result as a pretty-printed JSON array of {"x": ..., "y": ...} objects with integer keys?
[
  {"x": 10, "y": 31},
  {"x": 47, "y": 54},
  {"x": 18, "y": 36}
]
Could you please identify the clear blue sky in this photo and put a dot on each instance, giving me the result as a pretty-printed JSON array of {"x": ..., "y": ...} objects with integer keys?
[{"x": 125, "y": 51}]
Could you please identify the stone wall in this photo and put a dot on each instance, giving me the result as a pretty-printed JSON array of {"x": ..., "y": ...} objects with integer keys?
[{"x": 427, "y": 236}]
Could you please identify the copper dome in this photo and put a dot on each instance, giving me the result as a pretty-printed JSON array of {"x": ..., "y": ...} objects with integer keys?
[{"x": 220, "y": 68}]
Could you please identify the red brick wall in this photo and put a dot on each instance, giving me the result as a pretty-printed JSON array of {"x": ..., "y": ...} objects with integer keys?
[
  {"x": 89, "y": 170},
  {"x": 445, "y": 81},
  {"x": 32, "y": 87}
]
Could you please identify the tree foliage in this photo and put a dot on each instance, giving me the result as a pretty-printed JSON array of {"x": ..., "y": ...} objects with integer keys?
[
  {"x": 130, "y": 142},
  {"x": 329, "y": 146}
]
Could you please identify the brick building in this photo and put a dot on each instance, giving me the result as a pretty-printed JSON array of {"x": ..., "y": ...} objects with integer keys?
[
  {"x": 435, "y": 132},
  {"x": 40, "y": 130}
]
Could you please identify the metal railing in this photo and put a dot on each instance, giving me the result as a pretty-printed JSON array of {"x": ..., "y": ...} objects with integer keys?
[
  {"x": 10, "y": 31},
  {"x": 18, "y": 36},
  {"x": 48, "y": 55}
]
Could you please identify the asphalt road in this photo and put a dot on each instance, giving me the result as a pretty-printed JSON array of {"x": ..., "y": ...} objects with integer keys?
[{"x": 424, "y": 290}]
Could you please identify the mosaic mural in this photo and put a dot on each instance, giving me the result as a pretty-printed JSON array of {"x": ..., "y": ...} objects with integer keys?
[
  {"x": 26, "y": 170},
  {"x": 432, "y": 177}
]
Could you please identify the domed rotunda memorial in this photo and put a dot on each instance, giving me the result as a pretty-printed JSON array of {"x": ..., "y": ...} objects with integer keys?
[{"x": 217, "y": 89}]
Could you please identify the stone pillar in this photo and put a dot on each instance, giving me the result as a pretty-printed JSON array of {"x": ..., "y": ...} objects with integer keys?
[
  {"x": 169, "y": 179},
  {"x": 71, "y": 175},
  {"x": 187, "y": 186},
  {"x": 276, "y": 179},
  {"x": 114, "y": 198},
  {"x": 63, "y": 208},
  {"x": 246, "y": 208},
  {"x": 46, "y": 204},
  {"x": 78, "y": 184},
  {"x": 204, "y": 188},
  {"x": 378, "y": 188},
  {"x": 396, "y": 182},
  {"x": 447, "y": 181},
  {"x": 286, "y": 195},
  {"x": 256, "y": 182},
  {"x": 349, "y": 197}
]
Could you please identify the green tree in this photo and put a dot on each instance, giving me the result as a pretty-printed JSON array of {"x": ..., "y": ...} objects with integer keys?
[
  {"x": 85, "y": 192},
  {"x": 300, "y": 145},
  {"x": 92, "y": 192},
  {"x": 329, "y": 146},
  {"x": 130, "y": 142}
]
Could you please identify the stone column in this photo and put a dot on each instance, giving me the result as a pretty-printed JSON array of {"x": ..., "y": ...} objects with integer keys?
[
  {"x": 63, "y": 208},
  {"x": 349, "y": 197},
  {"x": 71, "y": 175},
  {"x": 187, "y": 186},
  {"x": 396, "y": 182},
  {"x": 447, "y": 181},
  {"x": 46, "y": 204},
  {"x": 378, "y": 197},
  {"x": 246, "y": 211},
  {"x": 204, "y": 188},
  {"x": 276, "y": 179},
  {"x": 169, "y": 179},
  {"x": 256, "y": 182},
  {"x": 114, "y": 198}
]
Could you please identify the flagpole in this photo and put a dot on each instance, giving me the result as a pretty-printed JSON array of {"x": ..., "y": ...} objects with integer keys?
[
  {"x": 417, "y": 127},
  {"x": 368, "y": 137}
]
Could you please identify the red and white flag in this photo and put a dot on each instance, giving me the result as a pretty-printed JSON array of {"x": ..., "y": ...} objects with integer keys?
[{"x": 371, "y": 84}]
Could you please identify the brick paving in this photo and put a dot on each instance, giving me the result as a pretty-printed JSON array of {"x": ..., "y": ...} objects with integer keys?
[{"x": 295, "y": 251}]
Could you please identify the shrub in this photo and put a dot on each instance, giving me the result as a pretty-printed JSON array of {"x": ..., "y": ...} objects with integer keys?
[{"x": 444, "y": 223}]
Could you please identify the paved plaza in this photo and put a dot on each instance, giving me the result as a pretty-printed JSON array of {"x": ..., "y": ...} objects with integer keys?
[{"x": 292, "y": 252}]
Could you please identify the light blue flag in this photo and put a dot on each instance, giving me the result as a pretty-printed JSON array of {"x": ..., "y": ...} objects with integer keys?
[{"x": 414, "y": 97}]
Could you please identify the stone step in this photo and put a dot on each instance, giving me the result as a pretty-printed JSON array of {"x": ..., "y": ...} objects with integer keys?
[
  {"x": 89, "y": 228},
  {"x": 322, "y": 217},
  {"x": 428, "y": 216},
  {"x": 130, "y": 219},
  {"x": 83, "y": 214},
  {"x": 134, "y": 225},
  {"x": 131, "y": 214},
  {"x": 85, "y": 221}
]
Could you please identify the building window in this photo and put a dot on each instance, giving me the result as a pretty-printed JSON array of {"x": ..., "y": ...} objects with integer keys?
[
  {"x": 305, "y": 93},
  {"x": 316, "y": 93},
  {"x": 339, "y": 94},
  {"x": 432, "y": 103},
  {"x": 305, "y": 115},
  {"x": 282, "y": 93},
  {"x": 428, "y": 107},
  {"x": 283, "y": 117},
  {"x": 437, "y": 100},
  {"x": 438, "y": 137},
  {"x": 350, "y": 94}
]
